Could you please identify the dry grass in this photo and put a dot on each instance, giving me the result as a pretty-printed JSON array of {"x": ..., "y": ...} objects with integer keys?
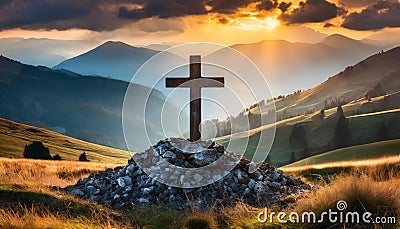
[
  {"x": 32, "y": 218},
  {"x": 26, "y": 199},
  {"x": 42, "y": 173},
  {"x": 14, "y": 136},
  {"x": 373, "y": 188}
]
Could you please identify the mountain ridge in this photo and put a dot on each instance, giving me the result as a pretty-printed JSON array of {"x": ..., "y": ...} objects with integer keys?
[
  {"x": 88, "y": 108},
  {"x": 270, "y": 56},
  {"x": 113, "y": 59}
]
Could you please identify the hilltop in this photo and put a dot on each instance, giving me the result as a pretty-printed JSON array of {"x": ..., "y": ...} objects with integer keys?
[
  {"x": 14, "y": 136},
  {"x": 112, "y": 59}
]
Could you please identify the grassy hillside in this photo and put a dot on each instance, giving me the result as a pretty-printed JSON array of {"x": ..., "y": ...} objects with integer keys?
[
  {"x": 21, "y": 207},
  {"x": 350, "y": 155},
  {"x": 378, "y": 75},
  {"x": 319, "y": 133},
  {"x": 14, "y": 136},
  {"x": 83, "y": 107},
  {"x": 351, "y": 84}
]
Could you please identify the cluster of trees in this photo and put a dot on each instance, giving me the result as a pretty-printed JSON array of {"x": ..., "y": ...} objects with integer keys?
[
  {"x": 244, "y": 121},
  {"x": 36, "y": 150},
  {"x": 341, "y": 136}
]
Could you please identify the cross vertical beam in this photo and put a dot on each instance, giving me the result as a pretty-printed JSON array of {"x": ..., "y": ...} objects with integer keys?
[{"x": 195, "y": 82}]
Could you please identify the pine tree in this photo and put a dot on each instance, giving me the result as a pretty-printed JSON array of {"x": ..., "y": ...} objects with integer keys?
[{"x": 342, "y": 130}]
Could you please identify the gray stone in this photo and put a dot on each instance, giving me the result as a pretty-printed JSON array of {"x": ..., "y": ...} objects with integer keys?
[
  {"x": 147, "y": 191},
  {"x": 143, "y": 201},
  {"x": 121, "y": 182},
  {"x": 169, "y": 154},
  {"x": 128, "y": 180},
  {"x": 90, "y": 189},
  {"x": 274, "y": 185},
  {"x": 251, "y": 184},
  {"x": 78, "y": 192},
  {"x": 274, "y": 176}
]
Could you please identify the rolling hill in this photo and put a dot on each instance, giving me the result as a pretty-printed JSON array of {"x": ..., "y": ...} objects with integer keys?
[
  {"x": 14, "y": 136},
  {"x": 83, "y": 107},
  {"x": 348, "y": 85},
  {"x": 366, "y": 116}
]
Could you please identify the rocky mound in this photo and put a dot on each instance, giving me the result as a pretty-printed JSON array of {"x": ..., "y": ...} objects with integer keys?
[{"x": 130, "y": 186}]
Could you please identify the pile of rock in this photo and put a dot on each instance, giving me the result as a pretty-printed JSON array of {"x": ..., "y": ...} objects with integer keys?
[{"x": 130, "y": 186}]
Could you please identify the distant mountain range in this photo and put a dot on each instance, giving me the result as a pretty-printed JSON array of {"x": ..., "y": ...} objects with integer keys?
[
  {"x": 89, "y": 108},
  {"x": 287, "y": 66},
  {"x": 374, "y": 76},
  {"x": 381, "y": 71},
  {"x": 84, "y": 107},
  {"x": 45, "y": 52},
  {"x": 115, "y": 60}
]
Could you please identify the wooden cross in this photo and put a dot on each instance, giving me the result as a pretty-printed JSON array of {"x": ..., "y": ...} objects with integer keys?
[{"x": 195, "y": 82}]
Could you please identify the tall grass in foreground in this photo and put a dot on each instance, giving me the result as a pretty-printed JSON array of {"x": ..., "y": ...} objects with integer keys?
[
  {"x": 27, "y": 202},
  {"x": 31, "y": 218},
  {"x": 374, "y": 189},
  {"x": 43, "y": 173}
]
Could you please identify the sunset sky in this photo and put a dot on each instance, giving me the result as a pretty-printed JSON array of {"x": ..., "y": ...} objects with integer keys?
[{"x": 142, "y": 22}]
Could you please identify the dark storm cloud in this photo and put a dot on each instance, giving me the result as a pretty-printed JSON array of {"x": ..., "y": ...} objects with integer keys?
[
  {"x": 284, "y": 6},
  {"x": 312, "y": 11},
  {"x": 360, "y": 3},
  {"x": 60, "y": 15},
  {"x": 228, "y": 6},
  {"x": 164, "y": 9},
  {"x": 100, "y": 15},
  {"x": 377, "y": 16},
  {"x": 107, "y": 15},
  {"x": 267, "y": 5}
]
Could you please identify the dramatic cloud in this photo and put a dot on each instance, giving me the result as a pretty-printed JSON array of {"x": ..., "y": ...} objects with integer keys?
[
  {"x": 284, "y": 6},
  {"x": 267, "y": 5},
  {"x": 270, "y": 5},
  {"x": 360, "y": 3},
  {"x": 103, "y": 15},
  {"x": 164, "y": 9},
  {"x": 312, "y": 11},
  {"x": 377, "y": 16},
  {"x": 60, "y": 15},
  {"x": 109, "y": 15}
]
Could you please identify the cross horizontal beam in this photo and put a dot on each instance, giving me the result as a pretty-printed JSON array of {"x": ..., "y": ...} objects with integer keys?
[{"x": 197, "y": 82}]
